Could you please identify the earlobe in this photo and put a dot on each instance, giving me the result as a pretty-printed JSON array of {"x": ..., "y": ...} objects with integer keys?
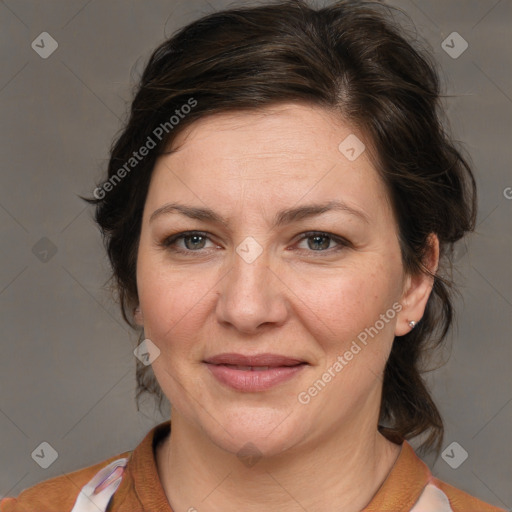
[
  {"x": 417, "y": 291},
  {"x": 138, "y": 316}
]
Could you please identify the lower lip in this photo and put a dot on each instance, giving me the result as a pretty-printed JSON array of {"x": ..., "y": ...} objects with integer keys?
[{"x": 253, "y": 380}]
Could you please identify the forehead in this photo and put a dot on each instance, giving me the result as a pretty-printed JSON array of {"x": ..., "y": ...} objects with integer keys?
[
  {"x": 287, "y": 131},
  {"x": 277, "y": 155}
]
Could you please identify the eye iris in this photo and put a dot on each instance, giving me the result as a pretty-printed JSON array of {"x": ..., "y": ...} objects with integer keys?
[
  {"x": 195, "y": 239},
  {"x": 317, "y": 238}
]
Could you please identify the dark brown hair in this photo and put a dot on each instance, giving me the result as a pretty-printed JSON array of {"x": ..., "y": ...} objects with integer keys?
[{"x": 349, "y": 58}]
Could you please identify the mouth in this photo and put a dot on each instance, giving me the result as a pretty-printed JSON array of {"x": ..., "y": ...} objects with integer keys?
[
  {"x": 250, "y": 368},
  {"x": 253, "y": 373}
]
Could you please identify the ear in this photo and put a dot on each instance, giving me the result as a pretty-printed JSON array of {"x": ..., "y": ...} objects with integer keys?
[
  {"x": 417, "y": 290},
  {"x": 138, "y": 316}
]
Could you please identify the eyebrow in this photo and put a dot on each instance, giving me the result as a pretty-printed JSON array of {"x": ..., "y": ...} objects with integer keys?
[{"x": 283, "y": 217}]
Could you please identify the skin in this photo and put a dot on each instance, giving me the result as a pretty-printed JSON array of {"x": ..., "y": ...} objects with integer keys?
[{"x": 292, "y": 300}]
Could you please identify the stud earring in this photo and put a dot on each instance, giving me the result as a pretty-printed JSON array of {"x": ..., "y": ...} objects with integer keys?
[{"x": 412, "y": 323}]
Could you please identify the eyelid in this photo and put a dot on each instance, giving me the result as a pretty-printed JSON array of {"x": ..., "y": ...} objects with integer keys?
[{"x": 169, "y": 240}]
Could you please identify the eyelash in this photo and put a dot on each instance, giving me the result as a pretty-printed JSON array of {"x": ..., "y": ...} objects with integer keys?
[{"x": 170, "y": 242}]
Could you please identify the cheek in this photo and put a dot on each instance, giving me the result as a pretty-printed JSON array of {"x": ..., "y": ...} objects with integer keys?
[
  {"x": 352, "y": 320},
  {"x": 340, "y": 305},
  {"x": 173, "y": 303}
]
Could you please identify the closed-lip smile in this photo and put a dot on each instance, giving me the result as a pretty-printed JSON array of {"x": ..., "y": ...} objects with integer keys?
[{"x": 252, "y": 373}]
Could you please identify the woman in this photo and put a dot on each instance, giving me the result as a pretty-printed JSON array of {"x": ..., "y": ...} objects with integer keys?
[{"x": 279, "y": 211}]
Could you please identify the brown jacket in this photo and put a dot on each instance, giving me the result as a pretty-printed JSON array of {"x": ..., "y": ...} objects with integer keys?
[{"x": 134, "y": 486}]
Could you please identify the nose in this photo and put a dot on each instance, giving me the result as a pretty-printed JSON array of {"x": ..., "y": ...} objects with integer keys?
[{"x": 252, "y": 296}]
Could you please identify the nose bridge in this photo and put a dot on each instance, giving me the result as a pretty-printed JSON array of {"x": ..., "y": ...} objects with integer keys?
[{"x": 250, "y": 295}]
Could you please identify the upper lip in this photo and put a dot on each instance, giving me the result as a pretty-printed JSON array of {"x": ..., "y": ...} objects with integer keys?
[{"x": 270, "y": 360}]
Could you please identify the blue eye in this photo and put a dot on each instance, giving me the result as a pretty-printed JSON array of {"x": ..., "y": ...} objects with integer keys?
[
  {"x": 320, "y": 242},
  {"x": 193, "y": 240}
]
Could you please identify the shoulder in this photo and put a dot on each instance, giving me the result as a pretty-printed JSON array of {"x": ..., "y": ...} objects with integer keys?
[
  {"x": 410, "y": 486},
  {"x": 59, "y": 493},
  {"x": 461, "y": 501}
]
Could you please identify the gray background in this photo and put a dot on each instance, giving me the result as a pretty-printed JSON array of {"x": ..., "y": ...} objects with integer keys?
[{"x": 66, "y": 361}]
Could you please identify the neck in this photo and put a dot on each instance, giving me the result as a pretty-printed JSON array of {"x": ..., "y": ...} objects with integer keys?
[{"x": 345, "y": 467}]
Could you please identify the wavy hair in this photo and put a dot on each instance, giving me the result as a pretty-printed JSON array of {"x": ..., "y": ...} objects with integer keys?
[{"x": 352, "y": 59}]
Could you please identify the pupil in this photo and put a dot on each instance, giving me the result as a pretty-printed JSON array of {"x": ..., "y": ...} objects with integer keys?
[
  {"x": 325, "y": 245},
  {"x": 194, "y": 239}
]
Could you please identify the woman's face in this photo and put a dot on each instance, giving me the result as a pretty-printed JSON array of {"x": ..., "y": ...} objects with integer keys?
[{"x": 259, "y": 298}]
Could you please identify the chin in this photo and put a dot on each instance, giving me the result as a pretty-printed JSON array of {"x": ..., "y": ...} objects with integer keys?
[{"x": 265, "y": 431}]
